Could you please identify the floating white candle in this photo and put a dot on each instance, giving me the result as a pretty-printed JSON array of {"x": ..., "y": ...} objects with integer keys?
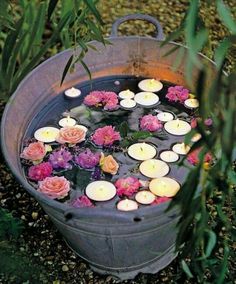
[
  {"x": 146, "y": 98},
  {"x": 128, "y": 103},
  {"x": 46, "y": 134},
  {"x": 169, "y": 156},
  {"x": 145, "y": 197},
  {"x": 165, "y": 116},
  {"x": 196, "y": 137},
  {"x": 100, "y": 190},
  {"x": 191, "y": 103},
  {"x": 67, "y": 121},
  {"x": 127, "y": 94},
  {"x": 177, "y": 127},
  {"x": 142, "y": 151},
  {"x": 150, "y": 85},
  {"x": 127, "y": 205},
  {"x": 181, "y": 148},
  {"x": 72, "y": 93},
  {"x": 164, "y": 186},
  {"x": 154, "y": 168}
]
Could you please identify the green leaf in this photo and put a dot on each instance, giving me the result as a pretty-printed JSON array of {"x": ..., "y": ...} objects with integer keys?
[
  {"x": 51, "y": 7},
  {"x": 221, "y": 51},
  {"x": 123, "y": 129},
  {"x": 67, "y": 68},
  {"x": 93, "y": 9},
  {"x": 9, "y": 44},
  {"x": 210, "y": 243},
  {"x": 42, "y": 51},
  {"x": 86, "y": 68},
  {"x": 186, "y": 269},
  {"x": 226, "y": 16},
  {"x": 140, "y": 135}
]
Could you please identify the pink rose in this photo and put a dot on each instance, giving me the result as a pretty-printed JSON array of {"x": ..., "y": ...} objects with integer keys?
[
  {"x": 71, "y": 135},
  {"x": 54, "y": 187},
  {"x": 150, "y": 123},
  {"x": 127, "y": 186},
  {"x": 34, "y": 152},
  {"x": 40, "y": 172},
  {"x": 105, "y": 136}
]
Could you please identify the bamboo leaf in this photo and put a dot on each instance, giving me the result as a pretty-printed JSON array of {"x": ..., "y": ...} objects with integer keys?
[
  {"x": 51, "y": 7},
  {"x": 67, "y": 68},
  {"x": 93, "y": 9},
  {"x": 86, "y": 69},
  {"x": 226, "y": 16}
]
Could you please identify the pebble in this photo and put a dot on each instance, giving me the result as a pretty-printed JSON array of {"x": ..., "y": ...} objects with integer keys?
[
  {"x": 35, "y": 215},
  {"x": 65, "y": 268}
]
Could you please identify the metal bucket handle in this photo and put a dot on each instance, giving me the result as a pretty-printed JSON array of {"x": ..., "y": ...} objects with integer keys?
[{"x": 155, "y": 22}]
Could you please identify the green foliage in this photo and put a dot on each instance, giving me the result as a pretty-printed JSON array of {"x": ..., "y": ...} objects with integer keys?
[
  {"x": 32, "y": 28},
  {"x": 9, "y": 226},
  {"x": 207, "y": 200}
]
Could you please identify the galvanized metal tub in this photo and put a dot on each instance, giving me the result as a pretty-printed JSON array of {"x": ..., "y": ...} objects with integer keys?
[{"x": 113, "y": 242}]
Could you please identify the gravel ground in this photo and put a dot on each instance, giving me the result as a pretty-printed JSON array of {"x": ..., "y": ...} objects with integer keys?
[{"x": 52, "y": 260}]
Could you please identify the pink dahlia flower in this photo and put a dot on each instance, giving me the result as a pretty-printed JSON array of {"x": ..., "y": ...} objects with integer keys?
[
  {"x": 150, "y": 123},
  {"x": 110, "y": 101},
  {"x": 102, "y": 98},
  {"x": 54, "y": 187},
  {"x": 34, "y": 152},
  {"x": 81, "y": 202},
  {"x": 105, "y": 136},
  {"x": 193, "y": 157},
  {"x": 160, "y": 200},
  {"x": 94, "y": 98},
  {"x": 127, "y": 186},
  {"x": 177, "y": 94},
  {"x": 40, "y": 171}
]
